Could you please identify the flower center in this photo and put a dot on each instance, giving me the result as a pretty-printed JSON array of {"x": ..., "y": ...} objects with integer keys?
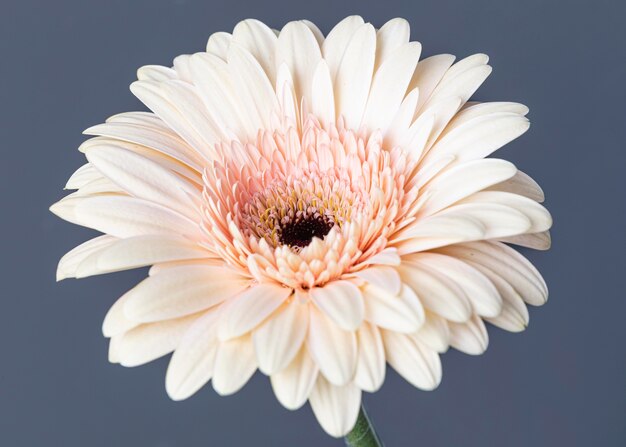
[{"x": 299, "y": 232}]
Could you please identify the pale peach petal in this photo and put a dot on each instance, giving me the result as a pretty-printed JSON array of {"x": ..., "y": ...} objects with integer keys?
[
  {"x": 234, "y": 365},
  {"x": 335, "y": 407},
  {"x": 342, "y": 302},
  {"x": 370, "y": 368},
  {"x": 293, "y": 384}
]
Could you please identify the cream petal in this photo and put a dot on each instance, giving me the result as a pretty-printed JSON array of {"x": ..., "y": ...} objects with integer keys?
[
  {"x": 335, "y": 407},
  {"x": 354, "y": 75},
  {"x": 298, "y": 48},
  {"x": 418, "y": 364},
  {"x": 480, "y": 291},
  {"x": 337, "y": 41},
  {"x": 514, "y": 316},
  {"x": 480, "y": 137},
  {"x": 279, "y": 339},
  {"x": 156, "y": 73},
  {"x": 383, "y": 277},
  {"x": 139, "y": 251},
  {"x": 333, "y": 349},
  {"x": 506, "y": 263},
  {"x": 260, "y": 41},
  {"x": 125, "y": 217},
  {"x": 166, "y": 103},
  {"x": 323, "y": 96},
  {"x": 434, "y": 333},
  {"x": 428, "y": 74},
  {"x": 388, "y": 256},
  {"x": 293, "y": 384},
  {"x": 436, "y": 292},
  {"x": 191, "y": 366},
  {"x": 370, "y": 367},
  {"x": 520, "y": 184},
  {"x": 234, "y": 364},
  {"x": 539, "y": 217},
  {"x": 438, "y": 231},
  {"x": 115, "y": 321},
  {"x": 389, "y": 86},
  {"x": 188, "y": 169},
  {"x": 145, "y": 179},
  {"x": 469, "y": 337},
  {"x": 536, "y": 241},
  {"x": 218, "y": 44},
  {"x": 400, "y": 313},
  {"x": 391, "y": 36},
  {"x": 402, "y": 120},
  {"x": 70, "y": 262},
  {"x": 341, "y": 301},
  {"x": 182, "y": 291},
  {"x": 82, "y": 176},
  {"x": 253, "y": 86},
  {"x": 463, "y": 180},
  {"x": 250, "y": 308},
  {"x": 150, "y": 341},
  {"x": 497, "y": 220}
]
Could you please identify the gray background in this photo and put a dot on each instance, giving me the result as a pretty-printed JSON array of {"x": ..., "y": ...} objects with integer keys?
[{"x": 67, "y": 65}]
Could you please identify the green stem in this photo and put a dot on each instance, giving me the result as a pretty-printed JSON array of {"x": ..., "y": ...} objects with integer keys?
[{"x": 363, "y": 433}]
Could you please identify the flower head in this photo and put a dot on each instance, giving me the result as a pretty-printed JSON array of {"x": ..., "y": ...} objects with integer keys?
[{"x": 313, "y": 207}]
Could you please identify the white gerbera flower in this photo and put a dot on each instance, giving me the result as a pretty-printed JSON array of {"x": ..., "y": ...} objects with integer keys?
[{"x": 313, "y": 207}]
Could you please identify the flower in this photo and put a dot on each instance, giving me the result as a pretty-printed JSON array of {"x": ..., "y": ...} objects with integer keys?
[{"x": 313, "y": 207}]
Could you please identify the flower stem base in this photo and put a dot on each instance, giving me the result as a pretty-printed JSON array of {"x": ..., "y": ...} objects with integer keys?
[{"x": 363, "y": 433}]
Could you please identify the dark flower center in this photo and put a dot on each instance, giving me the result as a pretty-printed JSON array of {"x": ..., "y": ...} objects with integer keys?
[{"x": 300, "y": 232}]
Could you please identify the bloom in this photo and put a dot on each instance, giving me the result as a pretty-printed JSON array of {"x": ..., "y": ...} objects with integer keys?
[{"x": 313, "y": 207}]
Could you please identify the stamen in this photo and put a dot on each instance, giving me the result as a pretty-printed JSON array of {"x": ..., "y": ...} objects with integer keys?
[{"x": 300, "y": 232}]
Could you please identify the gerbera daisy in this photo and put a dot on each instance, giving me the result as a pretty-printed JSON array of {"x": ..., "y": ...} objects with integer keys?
[{"x": 312, "y": 207}]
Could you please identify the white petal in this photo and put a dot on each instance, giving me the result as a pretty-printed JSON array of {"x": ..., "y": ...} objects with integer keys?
[
  {"x": 514, "y": 315},
  {"x": 481, "y": 292},
  {"x": 151, "y": 341},
  {"x": 539, "y": 217},
  {"x": 383, "y": 277},
  {"x": 418, "y": 364},
  {"x": 250, "y": 308},
  {"x": 191, "y": 366},
  {"x": 434, "y": 333},
  {"x": 438, "y": 231},
  {"x": 115, "y": 321},
  {"x": 70, "y": 262},
  {"x": 124, "y": 217},
  {"x": 428, "y": 74},
  {"x": 354, "y": 76},
  {"x": 218, "y": 44},
  {"x": 253, "y": 86},
  {"x": 293, "y": 384},
  {"x": 145, "y": 179},
  {"x": 436, "y": 292},
  {"x": 520, "y": 184},
  {"x": 139, "y": 251},
  {"x": 278, "y": 340},
  {"x": 464, "y": 179},
  {"x": 298, "y": 48},
  {"x": 469, "y": 337},
  {"x": 389, "y": 86},
  {"x": 83, "y": 175},
  {"x": 234, "y": 365},
  {"x": 181, "y": 291},
  {"x": 388, "y": 256},
  {"x": 537, "y": 241},
  {"x": 400, "y": 313},
  {"x": 391, "y": 36},
  {"x": 370, "y": 368},
  {"x": 496, "y": 220},
  {"x": 337, "y": 41},
  {"x": 336, "y": 407},
  {"x": 480, "y": 136},
  {"x": 260, "y": 41},
  {"x": 508, "y": 264},
  {"x": 341, "y": 301},
  {"x": 333, "y": 349},
  {"x": 323, "y": 96}
]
